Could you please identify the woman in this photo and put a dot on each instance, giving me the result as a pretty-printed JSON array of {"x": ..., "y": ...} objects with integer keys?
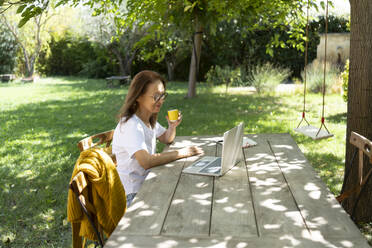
[{"x": 134, "y": 141}]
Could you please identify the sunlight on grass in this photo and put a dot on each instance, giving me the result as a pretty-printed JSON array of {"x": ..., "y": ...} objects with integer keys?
[{"x": 42, "y": 122}]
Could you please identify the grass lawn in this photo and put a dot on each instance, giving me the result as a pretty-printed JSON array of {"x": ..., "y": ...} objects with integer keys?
[{"x": 41, "y": 123}]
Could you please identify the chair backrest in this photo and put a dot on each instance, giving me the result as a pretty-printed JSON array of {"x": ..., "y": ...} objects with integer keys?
[
  {"x": 96, "y": 140},
  {"x": 104, "y": 138},
  {"x": 80, "y": 186},
  {"x": 365, "y": 147}
]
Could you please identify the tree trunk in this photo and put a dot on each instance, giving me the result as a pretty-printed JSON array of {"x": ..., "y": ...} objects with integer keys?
[
  {"x": 195, "y": 59},
  {"x": 129, "y": 61},
  {"x": 359, "y": 115},
  {"x": 27, "y": 60},
  {"x": 121, "y": 62},
  {"x": 35, "y": 56},
  {"x": 125, "y": 62},
  {"x": 171, "y": 65}
]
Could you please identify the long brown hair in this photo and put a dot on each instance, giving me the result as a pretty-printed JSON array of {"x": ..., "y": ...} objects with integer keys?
[{"x": 137, "y": 88}]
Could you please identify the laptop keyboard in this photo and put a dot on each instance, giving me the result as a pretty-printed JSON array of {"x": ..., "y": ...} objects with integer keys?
[{"x": 214, "y": 167}]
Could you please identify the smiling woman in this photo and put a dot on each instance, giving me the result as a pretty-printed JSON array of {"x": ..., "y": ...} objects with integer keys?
[{"x": 134, "y": 140}]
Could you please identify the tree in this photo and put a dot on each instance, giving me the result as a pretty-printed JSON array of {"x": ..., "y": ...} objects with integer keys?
[
  {"x": 359, "y": 111},
  {"x": 29, "y": 38},
  {"x": 168, "y": 44},
  {"x": 30, "y": 51},
  {"x": 120, "y": 40}
]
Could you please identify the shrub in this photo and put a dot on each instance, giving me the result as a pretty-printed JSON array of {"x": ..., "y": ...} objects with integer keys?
[
  {"x": 68, "y": 54},
  {"x": 8, "y": 51},
  {"x": 223, "y": 75},
  {"x": 345, "y": 80},
  {"x": 71, "y": 54},
  {"x": 315, "y": 76},
  {"x": 266, "y": 77}
]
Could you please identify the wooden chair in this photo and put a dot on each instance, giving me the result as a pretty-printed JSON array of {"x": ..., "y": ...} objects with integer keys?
[
  {"x": 363, "y": 147},
  {"x": 82, "y": 190},
  {"x": 97, "y": 140}
]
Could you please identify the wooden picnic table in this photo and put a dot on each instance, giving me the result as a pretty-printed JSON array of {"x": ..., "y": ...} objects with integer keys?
[
  {"x": 121, "y": 79},
  {"x": 273, "y": 199}
]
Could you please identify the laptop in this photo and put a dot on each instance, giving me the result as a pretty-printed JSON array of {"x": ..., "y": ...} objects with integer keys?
[{"x": 231, "y": 154}]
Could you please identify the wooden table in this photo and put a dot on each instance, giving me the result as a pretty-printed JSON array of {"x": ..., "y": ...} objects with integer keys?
[
  {"x": 275, "y": 199},
  {"x": 121, "y": 79}
]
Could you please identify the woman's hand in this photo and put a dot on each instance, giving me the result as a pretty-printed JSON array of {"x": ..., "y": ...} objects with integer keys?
[
  {"x": 190, "y": 151},
  {"x": 148, "y": 161},
  {"x": 174, "y": 124}
]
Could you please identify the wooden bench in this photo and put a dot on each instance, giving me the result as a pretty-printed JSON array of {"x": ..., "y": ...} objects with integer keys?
[
  {"x": 7, "y": 77},
  {"x": 122, "y": 80}
]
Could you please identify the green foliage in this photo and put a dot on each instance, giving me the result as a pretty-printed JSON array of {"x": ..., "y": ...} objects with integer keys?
[
  {"x": 252, "y": 32},
  {"x": 30, "y": 37},
  {"x": 266, "y": 77},
  {"x": 248, "y": 17},
  {"x": 336, "y": 24},
  {"x": 345, "y": 80},
  {"x": 315, "y": 76},
  {"x": 246, "y": 48},
  {"x": 166, "y": 42},
  {"x": 29, "y": 10},
  {"x": 8, "y": 51},
  {"x": 100, "y": 64},
  {"x": 74, "y": 55},
  {"x": 223, "y": 75}
]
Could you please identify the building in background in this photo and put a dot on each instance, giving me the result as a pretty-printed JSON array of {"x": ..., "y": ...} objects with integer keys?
[{"x": 338, "y": 48}]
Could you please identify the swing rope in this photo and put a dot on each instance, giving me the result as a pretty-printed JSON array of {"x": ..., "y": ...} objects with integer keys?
[
  {"x": 325, "y": 68},
  {"x": 309, "y": 130},
  {"x": 306, "y": 50}
]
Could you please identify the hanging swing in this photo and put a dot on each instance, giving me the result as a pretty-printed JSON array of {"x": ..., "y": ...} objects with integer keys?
[{"x": 308, "y": 130}]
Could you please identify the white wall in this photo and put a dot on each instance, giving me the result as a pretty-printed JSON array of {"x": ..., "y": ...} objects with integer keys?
[{"x": 337, "y": 43}]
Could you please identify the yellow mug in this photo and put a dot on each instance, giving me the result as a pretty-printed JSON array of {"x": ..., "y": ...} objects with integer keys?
[{"x": 173, "y": 115}]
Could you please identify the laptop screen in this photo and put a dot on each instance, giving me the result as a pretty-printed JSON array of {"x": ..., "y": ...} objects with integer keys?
[{"x": 232, "y": 147}]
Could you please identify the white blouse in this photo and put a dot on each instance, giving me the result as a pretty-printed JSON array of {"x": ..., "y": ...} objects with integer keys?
[{"x": 130, "y": 137}]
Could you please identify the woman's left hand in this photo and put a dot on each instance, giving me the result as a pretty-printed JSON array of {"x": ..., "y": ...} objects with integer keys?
[{"x": 174, "y": 124}]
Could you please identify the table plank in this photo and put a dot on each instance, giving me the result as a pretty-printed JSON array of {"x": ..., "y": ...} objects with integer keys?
[
  {"x": 149, "y": 208},
  {"x": 233, "y": 212},
  {"x": 276, "y": 210},
  {"x": 190, "y": 210},
  {"x": 323, "y": 214},
  {"x": 287, "y": 241}
]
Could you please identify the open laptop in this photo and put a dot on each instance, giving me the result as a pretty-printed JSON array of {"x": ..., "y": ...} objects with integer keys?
[{"x": 231, "y": 153}]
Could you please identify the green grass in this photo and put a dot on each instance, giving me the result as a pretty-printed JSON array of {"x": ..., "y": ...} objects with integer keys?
[{"x": 41, "y": 123}]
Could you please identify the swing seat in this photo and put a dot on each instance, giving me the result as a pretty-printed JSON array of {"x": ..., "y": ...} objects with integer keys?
[{"x": 311, "y": 132}]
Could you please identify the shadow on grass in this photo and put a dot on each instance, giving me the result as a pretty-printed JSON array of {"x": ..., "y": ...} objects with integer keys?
[
  {"x": 338, "y": 118},
  {"x": 37, "y": 157},
  {"x": 216, "y": 113},
  {"x": 328, "y": 167}
]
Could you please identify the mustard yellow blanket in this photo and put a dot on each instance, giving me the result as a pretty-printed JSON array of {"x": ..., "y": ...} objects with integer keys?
[{"x": 108, "y": 195}]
